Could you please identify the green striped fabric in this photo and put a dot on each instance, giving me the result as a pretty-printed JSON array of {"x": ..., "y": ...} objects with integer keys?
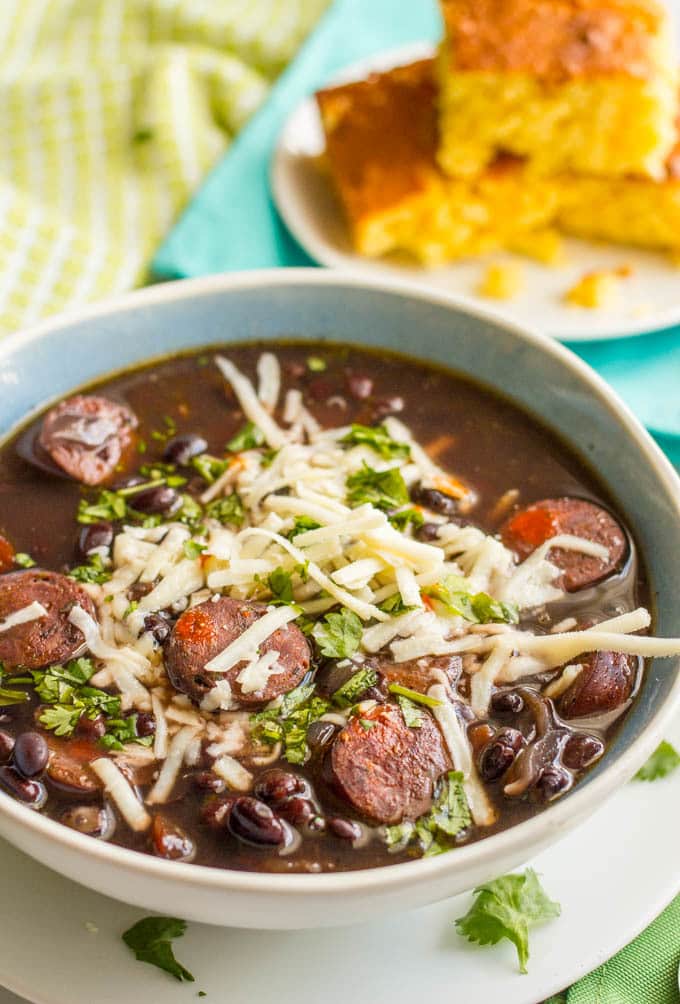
[{"x": 112, "y": 112}]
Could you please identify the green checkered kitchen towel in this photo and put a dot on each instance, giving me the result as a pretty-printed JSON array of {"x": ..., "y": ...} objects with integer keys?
[{"x": 111, "y": 113}]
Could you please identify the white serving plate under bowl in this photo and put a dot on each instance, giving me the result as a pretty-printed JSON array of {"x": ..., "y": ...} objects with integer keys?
[{"x": 539, "y": 375}]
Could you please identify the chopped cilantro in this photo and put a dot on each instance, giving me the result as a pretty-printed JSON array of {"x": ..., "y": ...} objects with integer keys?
[
  {"x": 435, "y": 831},
  {"x": 378, "y": 438},
  {"x": 123, "y": 730},
  {"x": 338, "y": 635},
  {"x": 141, "y": 446},
  {"x": 384, "y": 489},
  {"x": 280, "y": 583},
  {"x": 413, "y": 716},
  {"x": 94, "y": 571},
  {"x": 143, "y": 135},
  {"x": 246, "y": 438},
  {"x": 395, "y": 605},
  {"x": 406, "y": 517},
  {"x": 301, "y": 525},
  {"x": 150, "y": 940},
  {"x": 367, "y": 724},
  {"x": 23, "y": 560},
  {"x": 350, "y": 692},
  {"x": 65, "y": 692},
  {"x": 267, "y": 457},
  {"x": 662, "y": 762},
  {"x": 109, "y": 505},
  {"x": 192, "y": 549},
  {"x": 8, "y": 696},
  {"x": 289, "y": 721},
  {"x": 210, "y": 468},
  {"x": 506, "y": 908},
  {"x": 315, "y": 364},
  {"x": 130, "y": 608},
  {"x": 413, "y": 695},
  {"x": 190, "y": 512},
  {"x": 455, "y": 595},
  {"x": 227, "y": 510}
]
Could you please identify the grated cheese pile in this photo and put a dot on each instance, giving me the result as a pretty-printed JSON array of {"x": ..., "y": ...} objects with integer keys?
[{"x": 355, "y": 558}]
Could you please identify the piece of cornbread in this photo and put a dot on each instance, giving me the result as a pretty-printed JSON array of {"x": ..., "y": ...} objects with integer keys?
[
  {"x": 381, "y": 140},
  {"x": 574, "y": 85}
]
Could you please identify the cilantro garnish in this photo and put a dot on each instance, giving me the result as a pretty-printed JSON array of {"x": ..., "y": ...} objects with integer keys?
[
  {"x": 338, "y": 635},
  {"x": 315, "y": 364},
  {"x": 385, "y": 490},
  {"x": 455, "y": 595},
  {"x": 109, "y": 505},
  {"x": 412, "y": 714},
  {"x": 395, "y": 605},
  {"x": 150, "y": 940},
  {"x": 662, "y": 762},
  {"x": 413, "y": 695},
  {"x": 227, "y": 510},
  {"x": 210, "y": 468},
  {"x": 190, "y": 512},
  {"x": 8, "y": 697},
  {"x": 378, "y": 438},
  {"x": 405, "y": 517},
  {"x": 301, "y": 525},
  {"x": 350, "y": 692},
  {"x": 192, "y": 549},
  {"x": 94, "y": 571},
  {"x": 24, "y": 560},
  {"x": 434, "y": 832},
  {"x": 288, "y": 723},
  {"x": 246, "y": 438},
  {"x": 506, "y": 908},
  {"x": 123, "y": 730}
]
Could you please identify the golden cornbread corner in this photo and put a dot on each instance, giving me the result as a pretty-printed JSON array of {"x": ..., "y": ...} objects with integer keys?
[
  {"x": 381, "y": 144},
  {"x": 574, "y": 85}
]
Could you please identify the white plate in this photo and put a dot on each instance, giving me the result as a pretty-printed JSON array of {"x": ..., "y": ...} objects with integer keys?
[
  {"x": 612, "y": 876},
  {"x": 649, "y": 300}
]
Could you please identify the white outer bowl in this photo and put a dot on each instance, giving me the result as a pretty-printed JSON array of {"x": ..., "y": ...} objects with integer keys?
[{"x": 540, "y": 375}]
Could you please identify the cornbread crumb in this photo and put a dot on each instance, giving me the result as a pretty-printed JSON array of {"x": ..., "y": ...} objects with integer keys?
[
  {"x": 502, "y": 281},
  {"x": 545, "y": 246},
  {"x": 597, "y": 289}
]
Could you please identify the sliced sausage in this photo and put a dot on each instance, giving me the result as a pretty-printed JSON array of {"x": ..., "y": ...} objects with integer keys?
[
  {"x": 604, "y": 684},
  {"x": 420, "y": 674},
  {"x": 6, "y": 555},
  {"x": 205, "y": 630},
  {"x": 49, "y": 639},
  {"x": 531, "y": 527},
  {"x": 86, "y": 436},
  {"x": 386, "y": 770},
  {"x": 69, "y": 766}
]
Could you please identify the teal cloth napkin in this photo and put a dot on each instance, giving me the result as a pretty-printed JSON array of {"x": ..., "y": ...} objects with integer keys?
[{"x": 231, "y": 224}]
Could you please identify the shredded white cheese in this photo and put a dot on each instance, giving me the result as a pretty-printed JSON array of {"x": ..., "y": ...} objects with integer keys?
[
  {"x": 32, "y": 612},
  {"x": 247, "y": 644},
  {"x": 122, "y": 793}
]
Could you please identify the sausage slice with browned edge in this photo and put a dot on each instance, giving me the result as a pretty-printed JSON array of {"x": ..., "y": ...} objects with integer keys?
[
  {"x": 86, "y": 436},
  {"x": 204, "y": 631},
  {"x": 48, "y": 639},
  {"x": 420, "y": 674},
  {"x": 385, "y": 769},
  {"x": 529, "y": 528},
  {"x": 604, "y": 684}
]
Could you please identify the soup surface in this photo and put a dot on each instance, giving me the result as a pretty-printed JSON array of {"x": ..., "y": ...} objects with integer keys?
[{"x": 302, "y": 607}]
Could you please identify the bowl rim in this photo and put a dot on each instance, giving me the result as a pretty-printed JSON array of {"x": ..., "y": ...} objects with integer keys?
[{"x": 554, "y": 819}]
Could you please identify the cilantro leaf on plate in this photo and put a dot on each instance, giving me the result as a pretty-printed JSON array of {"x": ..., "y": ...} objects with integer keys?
[
  {"x": 338, "y": 635},
  {"x": 150, "y": 940},
  {"x": 662, "y": 762},
  {"x": 506, "y": 908}
]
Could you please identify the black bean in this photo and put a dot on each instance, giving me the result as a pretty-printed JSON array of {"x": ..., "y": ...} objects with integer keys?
[
  {"x": 297, "y": 810},
  {"x": 6, "y": 746},
  {"x": 158, "y": 626},
  {"x": 146, "y": 724},
  {"x": 207, "y": 781},
  {"x": 434, "y": 500},
  {"x": 92, "y": 820},
  {"x": 169, "y": 841},
  {"x": 93, "y": 728},
  {"x": 581, "y": 750},
  {"x": 320, "y": 734},
  {"x": 387, "y": 406},
  {"x": 496, "y": 758},
  {"x": 428, "y": 531},
  {"x": 26, "y": 790},
  {"x": 346, "y": 829},
  {"x": 552, "y": 782},
  {"x": 215, "y": 812},
  {"x": 275, "y": 786},
  {"x": 512, "y": 738},
  {"x": 332, "y": 675},
  {"x": 31, "y": 754},
  {"x": 181, "y": 449},
  {"x": 507, "y": 702},
  {"x": 92, "y": 536},
  {"x": 359, "y": 385},
  {"x": 161, "y": 499},
  {"x": 254, "y": 822}
]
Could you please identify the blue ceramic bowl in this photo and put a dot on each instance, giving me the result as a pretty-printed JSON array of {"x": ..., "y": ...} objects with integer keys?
[{"x": 539, "y": 375}]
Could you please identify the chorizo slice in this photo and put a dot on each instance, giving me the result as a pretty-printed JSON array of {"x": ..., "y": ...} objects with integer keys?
[
  {"x": 606, "y": 682},
  {"x": 420, "y": 674},
  {"x": 48, "y": 639},
  {"x": 205, "y": 630},
  {"x": 86, "y": 436},
  {"x": 384, "y": 769},
  {"x": 530, "y": 527},
  {"x": 69, "y": 766}
]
